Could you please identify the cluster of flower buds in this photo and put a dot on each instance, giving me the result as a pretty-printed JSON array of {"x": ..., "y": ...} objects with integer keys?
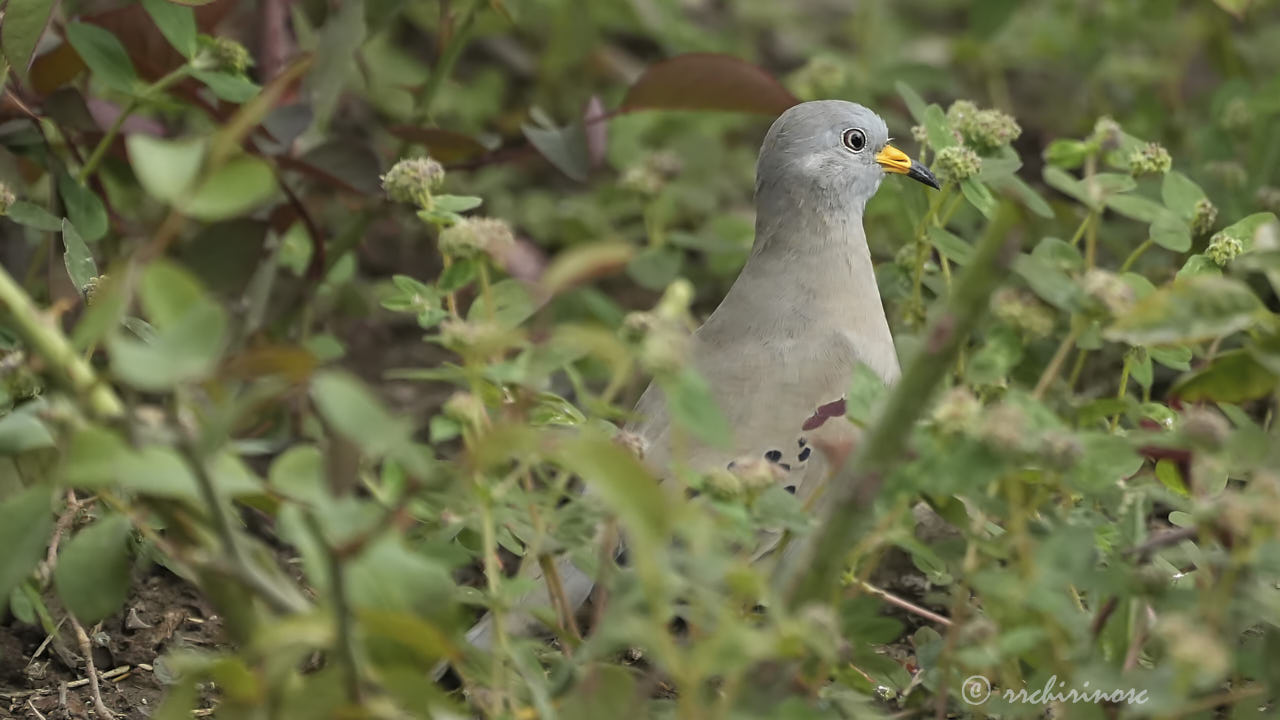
[
  {"x": 476, "y": 236},
  {"x": 412, "y": 181},
  {"x": 1109, "y": 290},
  {"x": 1203, "y": 216},
  {"x": 222, "y": 54},
  {"x": 1023, "y": 311},
  {"x": 652, "y": 173},
  {"x": 1224, "y": 247},
  {"x": 7, "y": 199},
  {"x": 1150, "y": 159},
  {"x": 1107, "y": 133},
  {"x": 984, "y": 130},
  {"x": 957, "y": 163}
]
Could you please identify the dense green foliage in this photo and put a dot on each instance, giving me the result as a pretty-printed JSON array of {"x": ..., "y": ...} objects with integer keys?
[{"x": 352, "y": 400}]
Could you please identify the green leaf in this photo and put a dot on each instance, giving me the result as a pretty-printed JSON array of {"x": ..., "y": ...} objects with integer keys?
[
  {"x": 937, "y": 128},
  {"x": 1047, "y": 281},
  {"x": 978, "y": 195},
  {"x": 455, "y": 203},
  {"x": 25, "y": 22},
  {"x": 915, "y": 104},
  {"x": 176, "y": 23},
  {"x": 26, "y": 522},
  {"x": 1064, "y": 182},
  {"x": 353, "y": 411},
  {"x": 104, "y": 55},
  {"x": 1199, "y": 307},
  {"x": 191, "y": 331},
  {"x": 951, "y": 246},
  {"x": 341, "y": 36},
  {"x": 1067, "y": 154},
  {"x": 1180, "y": 194},
  {"x": 1136, "y": 207},
  {"x": 98, "y": 458},
  {"x": 1140, "y": 368},
  {"x": 76, "y": 256},
  {"x": 1174, "y": 358},
  {"x": 564, "y": 147},
  {"x": 22, "y": 430},
  {"x": 1247, "y": 228},
  {"x": 34, "y": 217},
  {"x": 235, "y": 188},
  {"x": 1024, "y": 192},
  {"x": 1234, "y": 376},
  {"x": 84, "y": 209},
  {"x": 605, "y": 691},
  {"x": 622, "y": 482},
  {"x": 655, "y": 267},
  {"x": 165, "y": 168},
  {"x": 694, "y": 409},
  {"x": 92, "y": 575},
  {"x": 866, "y": 390},
  {"x": 1199, "y": 264},
  {"x": 1112, "y": 183},
  {"x": 1171, "y": 232},
  {"x": 228, "y": 86},
  {"x": 457, "y": 275},
  {"x": 1168, "y": 474}
]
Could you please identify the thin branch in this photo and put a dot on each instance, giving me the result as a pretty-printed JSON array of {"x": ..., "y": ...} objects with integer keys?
[
  {"x": 905, "y": 604},
  {"x": 1155, "y": 542},
  {"x": 87, "y": 651}
]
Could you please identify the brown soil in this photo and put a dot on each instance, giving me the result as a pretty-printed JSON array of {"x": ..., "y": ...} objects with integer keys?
[{"x": 162, "y": 613}]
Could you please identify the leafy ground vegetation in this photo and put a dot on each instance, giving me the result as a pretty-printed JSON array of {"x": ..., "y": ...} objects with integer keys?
[{"x": 314, "y": 317}]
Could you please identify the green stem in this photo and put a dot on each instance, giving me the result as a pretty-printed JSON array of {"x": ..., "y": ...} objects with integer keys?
[
  {"x": 47, "y": 341},
  {"x": 444, "y": 68},
  {"x": 492, "y": 575},
  {"x": 856, "y": 484},
  {"x": 1137, "y": 253},
  {"x": 1055, "y": 364},
  {"x": 1124, "y": 389},
  {"x": 100, "y": 151}
]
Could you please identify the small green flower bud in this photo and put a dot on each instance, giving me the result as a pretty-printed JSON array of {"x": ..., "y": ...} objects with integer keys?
[
  {"x": 1236, "y": 115},
  {"x": 919, "y": 134},
  {"x": 476, "y": 338},
  {"x": 1269, "y": 198},
  {"x": 473, "y": 236},
  {"x": 467, "y": 409},
  {"x": 7, "y": 199},
  {"x": 1204, "y": 216},
  {"x": 1023, "y": 311},
  {"x": 412, "y": 179},
  {"x": 224, "y": 54},
  {"x": 1224, "y": 248},
  {"x": 1109, "y": 289},
  {"x": 652, "y": 173},
  {"x": 956, "y": 411},
  {"x": 1107, "y": 133},
  {"x": 757, "y": 473},
  {"x": 664, "y": 349},
  {"x": 674, "y": 304},
  {"x": 1004, "y": 427},
  {"x": 822, "y": 76},
  {"x": 958, "y": 162},
  {"x": 723, "y": 484},
  {"x": 1061, "y": 450},
  {"x": 91, "y": 289},
  {"x": 985, "y": 130},
  {"x": 1150, "y": 159}
]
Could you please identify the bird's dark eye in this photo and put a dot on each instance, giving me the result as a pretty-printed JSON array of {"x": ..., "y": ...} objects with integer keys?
[{"x": 855, "y": 139}]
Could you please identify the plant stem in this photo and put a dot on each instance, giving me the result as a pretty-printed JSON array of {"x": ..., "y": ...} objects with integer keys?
[
  {"x": 100, "y": 151},
  {"x": 47, "y": 341},
  {"x": 444, "y": 68},
  {"x": 1124, "y": 388},
  {"x": 1055, "y": 364},
  {"x": 1137, "y": 252},
  {"x": 491, "y": 574},
  {"x": 857, "y": 483}
]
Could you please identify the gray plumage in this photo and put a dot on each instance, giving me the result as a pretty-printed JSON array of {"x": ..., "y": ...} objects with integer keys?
[{"x": 802, "y": 313}]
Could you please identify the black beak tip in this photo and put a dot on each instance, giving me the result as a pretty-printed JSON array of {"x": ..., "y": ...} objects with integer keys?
[{"x": 920, "y": 173}]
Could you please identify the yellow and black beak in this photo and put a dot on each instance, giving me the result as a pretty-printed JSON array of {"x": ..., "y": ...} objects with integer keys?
[{"x": 895, "y": 161}]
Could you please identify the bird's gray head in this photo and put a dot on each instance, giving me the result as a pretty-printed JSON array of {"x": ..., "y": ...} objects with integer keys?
[{"x": 829, "y": 156}]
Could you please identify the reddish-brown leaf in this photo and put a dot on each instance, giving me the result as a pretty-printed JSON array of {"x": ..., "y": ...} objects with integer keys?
[
  {"x": 446, "y": 146},
  {"x": 708, "y": 81}
]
